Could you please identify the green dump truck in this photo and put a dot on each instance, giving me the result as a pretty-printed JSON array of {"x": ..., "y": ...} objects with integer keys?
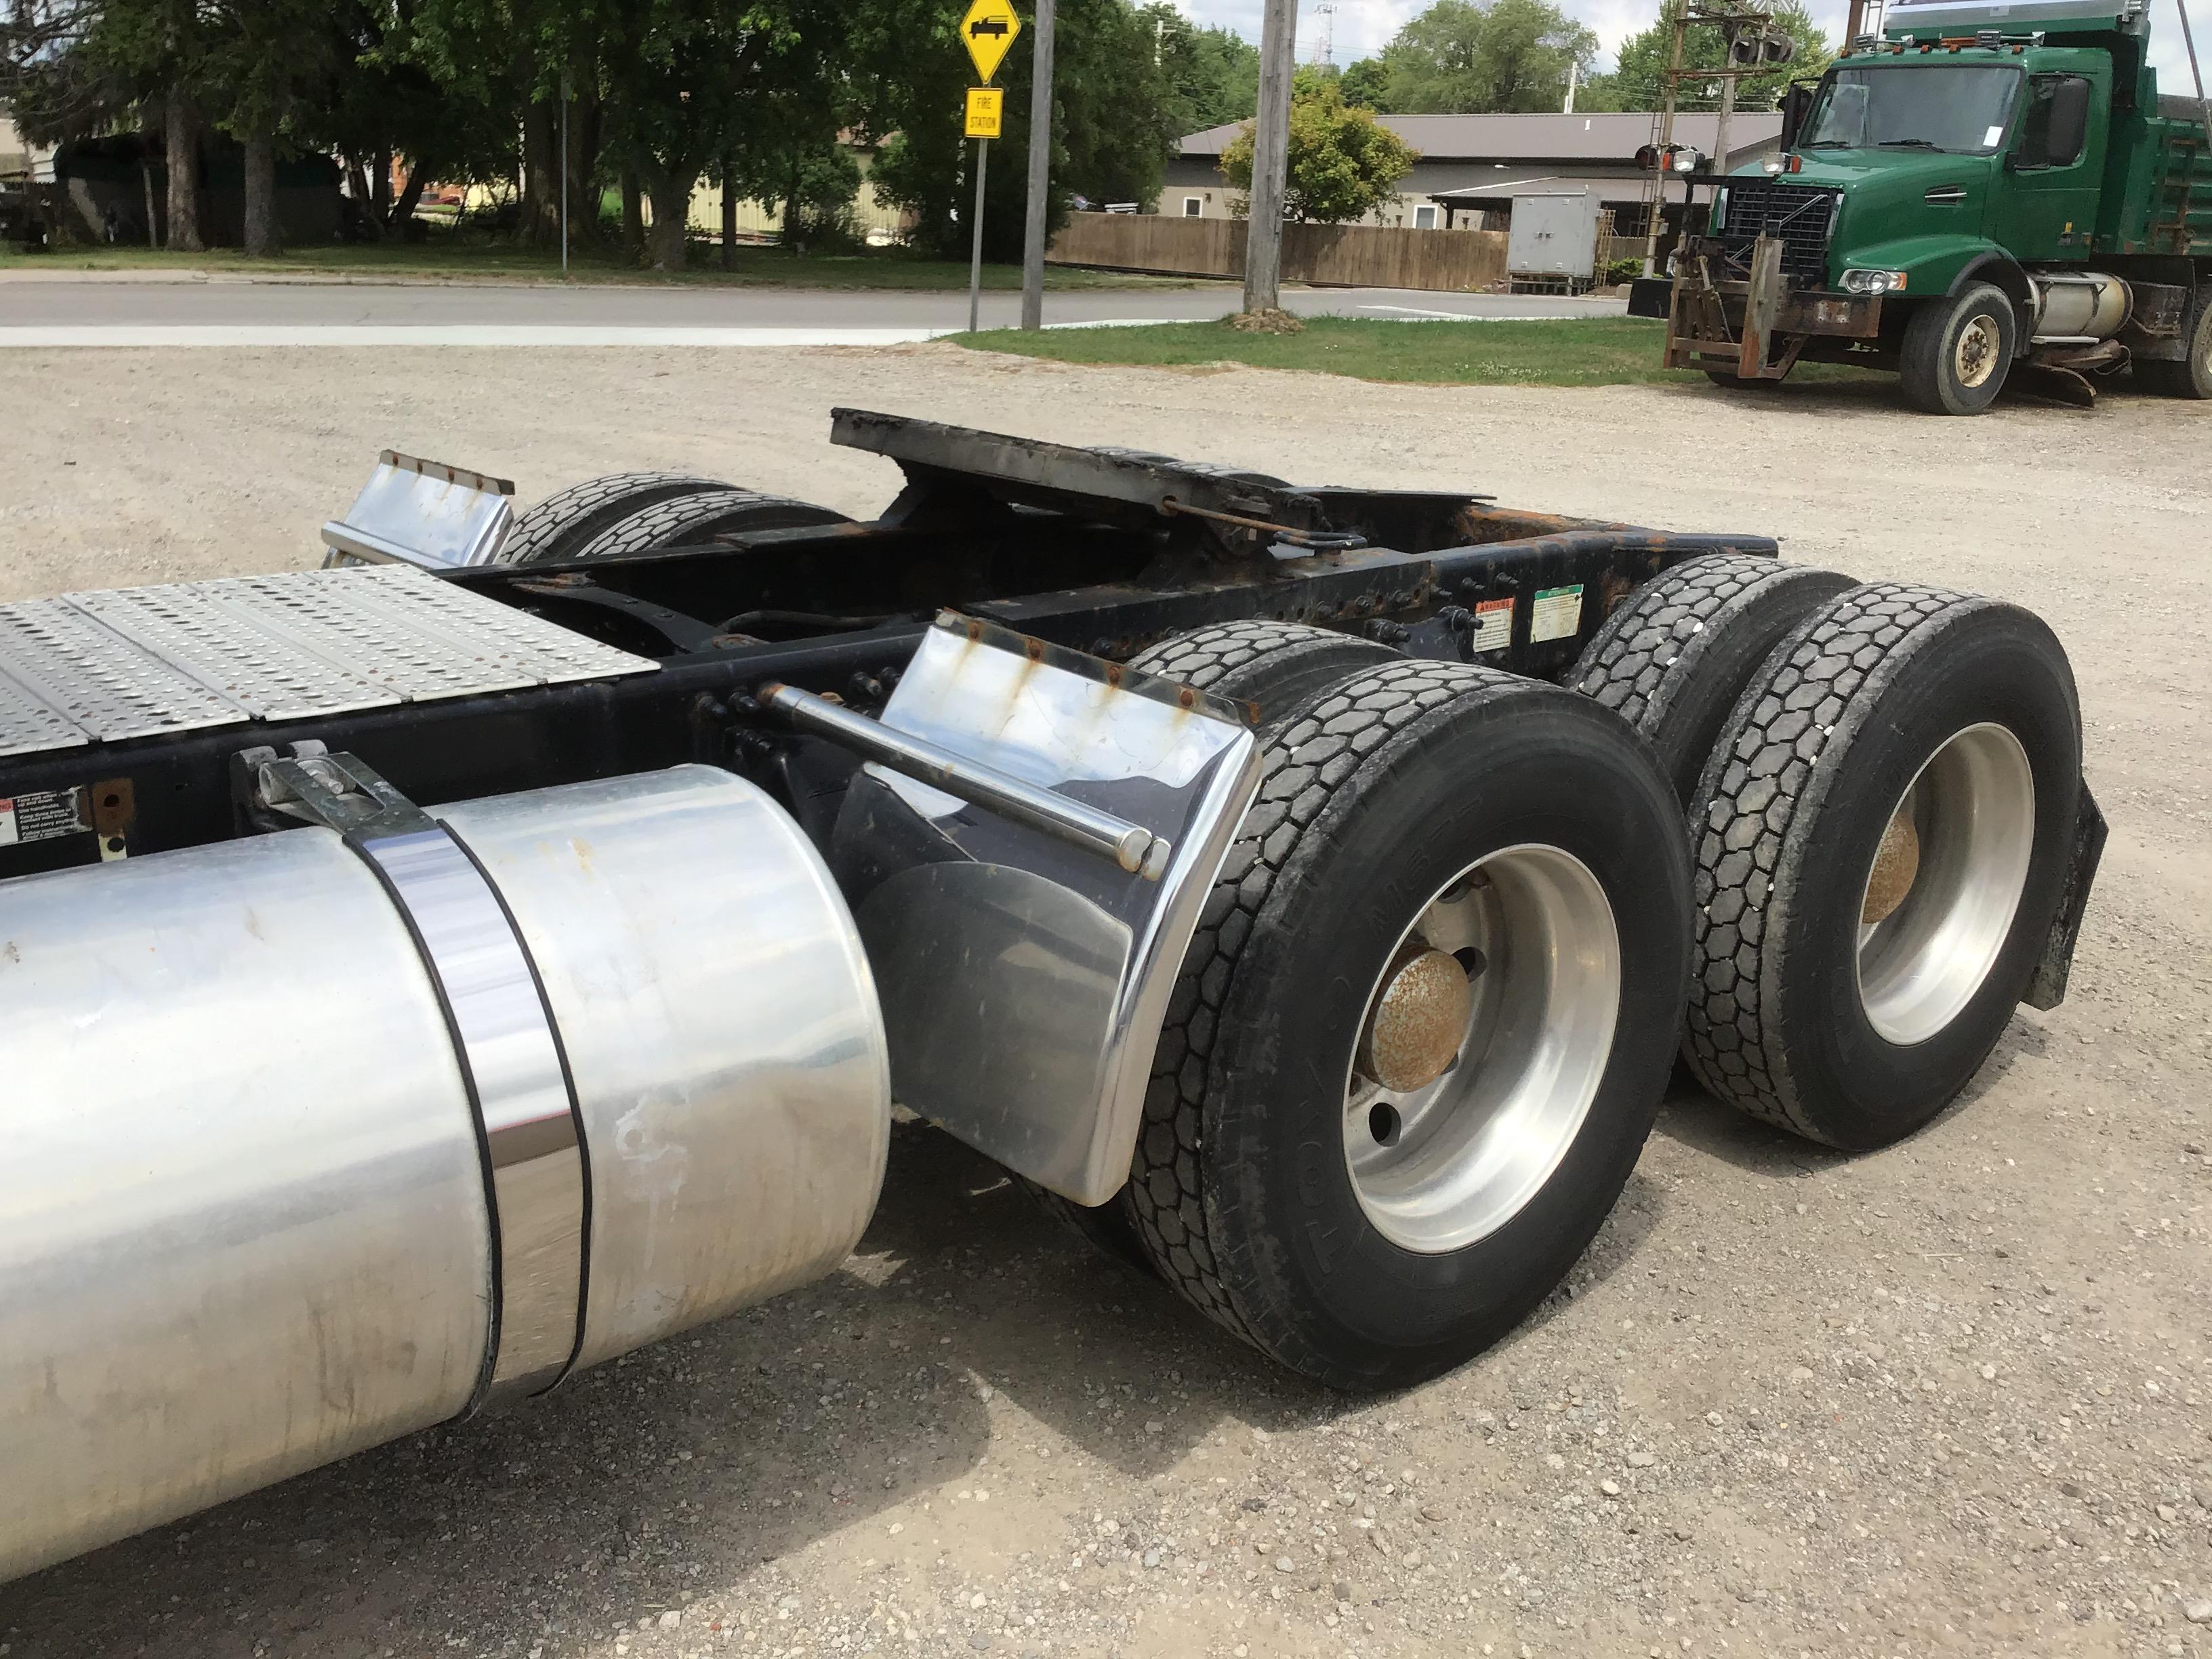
[{"x": 1986, "y": 189}]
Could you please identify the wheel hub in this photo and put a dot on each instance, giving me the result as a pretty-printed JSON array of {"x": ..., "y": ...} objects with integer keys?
[
  {"x": 1419, "y": 1021},
  {"x": 1977, "y": 355},
  {"x": 1481, "y": 1049},
  {"x": 1896, "y": 862},
  {"x": 1935, "y": 914}
]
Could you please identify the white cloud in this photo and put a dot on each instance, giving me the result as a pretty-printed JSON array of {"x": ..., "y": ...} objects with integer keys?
[{"x": 1362, "y": 26}]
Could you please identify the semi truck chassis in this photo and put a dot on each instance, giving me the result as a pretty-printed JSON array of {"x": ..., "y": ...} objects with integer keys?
[{"x": 426, "y": 977}]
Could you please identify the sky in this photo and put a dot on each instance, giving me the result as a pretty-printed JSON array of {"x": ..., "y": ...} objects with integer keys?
[{"x": 1360, "y": 27}]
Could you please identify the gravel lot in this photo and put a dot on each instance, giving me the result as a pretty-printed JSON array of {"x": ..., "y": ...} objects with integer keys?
[{"x": 1949, "y": 1399}]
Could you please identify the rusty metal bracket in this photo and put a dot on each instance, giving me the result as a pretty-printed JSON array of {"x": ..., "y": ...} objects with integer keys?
[{"x": 1318, "y": 541}]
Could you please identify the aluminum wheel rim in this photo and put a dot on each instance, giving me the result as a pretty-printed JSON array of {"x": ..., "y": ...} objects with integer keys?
[
  {"x": 1976, "y": 356},
  {"x": 1972, "y": 809},
  {"x": 1439, "y": 1167}
]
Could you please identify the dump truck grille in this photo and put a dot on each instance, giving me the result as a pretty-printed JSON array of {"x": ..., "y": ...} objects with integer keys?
[{"x": 1799, "y": 217}]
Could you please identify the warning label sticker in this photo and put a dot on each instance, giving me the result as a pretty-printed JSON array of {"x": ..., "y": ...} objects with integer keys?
[
  {"x": 1557, "y": 614},
  {"x": 41, "y": 816},
  {"x": 1493, "y": 625}
]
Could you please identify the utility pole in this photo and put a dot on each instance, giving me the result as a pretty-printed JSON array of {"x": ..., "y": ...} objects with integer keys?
[
  {"x": 1271, "y": 143},
  {"x": 1033, "y": 230},
  {"x": 1574, "y": 76},
  {"x": 1720, "y": 129},
  {"x": 564, "y": 173}
]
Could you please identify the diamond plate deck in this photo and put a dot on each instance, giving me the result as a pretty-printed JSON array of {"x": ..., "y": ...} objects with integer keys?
[
  {"x": 27, "y": 726},
  {"x": 214, "y": 632},
  {"x": 139, "y": 662},
  {"x": 105, "y": 685}
]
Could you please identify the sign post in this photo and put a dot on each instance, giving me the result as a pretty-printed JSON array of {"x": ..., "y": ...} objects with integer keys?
[{"x": 987, "y": 30}]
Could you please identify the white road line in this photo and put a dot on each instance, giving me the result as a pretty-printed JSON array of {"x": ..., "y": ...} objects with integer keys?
[
  {"x": 448, "y": 334},
  {"x": 1408, "y": 311}
]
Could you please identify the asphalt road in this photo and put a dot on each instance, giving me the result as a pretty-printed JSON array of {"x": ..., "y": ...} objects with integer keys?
[{"x": 218, "y": 311}]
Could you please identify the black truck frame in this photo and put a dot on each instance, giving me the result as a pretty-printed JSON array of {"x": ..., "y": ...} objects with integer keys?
[{"x": 1103, "y": 550}]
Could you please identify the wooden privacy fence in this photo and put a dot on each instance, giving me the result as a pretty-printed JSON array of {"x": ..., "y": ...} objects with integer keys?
[{"x": 1350, "y": 256}]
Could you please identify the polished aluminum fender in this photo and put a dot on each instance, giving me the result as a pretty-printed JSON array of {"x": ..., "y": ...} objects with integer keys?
[{"x": 1025, "y": 968}]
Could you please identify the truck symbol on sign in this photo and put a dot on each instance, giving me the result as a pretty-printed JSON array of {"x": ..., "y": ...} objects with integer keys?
[{"x": 983, "y": 25}]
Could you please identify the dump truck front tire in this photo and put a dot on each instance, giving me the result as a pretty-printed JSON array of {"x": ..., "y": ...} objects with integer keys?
[
  {"x": 1882, "y": 843},
  {"x": 1958, "y": 351},
  {"x": 1673, "y": 656},
  {"x": 1438, "y": 851}
]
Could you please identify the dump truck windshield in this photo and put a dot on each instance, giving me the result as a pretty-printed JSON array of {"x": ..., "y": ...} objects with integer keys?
[{"x": 1961, "y": 108}]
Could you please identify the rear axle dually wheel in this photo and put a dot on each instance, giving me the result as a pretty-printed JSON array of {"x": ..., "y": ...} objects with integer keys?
[{"x": 1419, "y": 1038}]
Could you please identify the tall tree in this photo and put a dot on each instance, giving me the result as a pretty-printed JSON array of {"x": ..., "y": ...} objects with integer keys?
[
  {"x": 1212, "y": 74},
  {"x": 431, "y": 84},
  {"x": 1637, "y": 83},
  {"x": 1482, "y": 56},
  {"x": 265, "y": 59},
  {"x": 1343, "y": 164},
  {"x": 691, "y": 82},
  {"x": 1367, "y": 85},
  {"x": 161, "y": 49}
]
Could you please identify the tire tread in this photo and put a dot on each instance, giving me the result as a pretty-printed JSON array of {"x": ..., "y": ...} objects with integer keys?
[
  {"x": 1310, "y": 762},
  {"x": 1754, "y": 787}
]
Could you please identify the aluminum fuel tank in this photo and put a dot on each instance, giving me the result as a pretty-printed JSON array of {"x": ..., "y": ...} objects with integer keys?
[{"x": 251, "y": 1219}]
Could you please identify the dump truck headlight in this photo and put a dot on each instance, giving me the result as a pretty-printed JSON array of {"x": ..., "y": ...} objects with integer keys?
[{"x": 1874, "y": 282}]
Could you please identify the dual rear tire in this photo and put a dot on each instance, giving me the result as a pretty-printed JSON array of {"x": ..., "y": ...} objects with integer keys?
[
  {"x": 1452, "y": 867},
  {"x": 629, "y": 513},
  {"x": 1420, "y": 1035}
]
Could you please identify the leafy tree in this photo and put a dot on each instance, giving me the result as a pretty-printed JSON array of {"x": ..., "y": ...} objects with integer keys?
[
  {"x": 446, "y": 85},
  {"x": 1342, "y": 162},
  {"x": 1114, "y": 130},
  {"x": 686, "y": 81},
  {"x": 1366, "y": 85},
  {"x": 160, "y": 51},
  {"x": 812, "y": 183},
  {"x": 1483, "y": 55},
  {"x": 1212, "y": 74},
  {"x": 265, "y": 61},
  {"x": 1637, "y": 82}
]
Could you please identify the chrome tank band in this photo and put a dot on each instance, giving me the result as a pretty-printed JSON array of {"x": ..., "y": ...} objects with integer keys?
[
  {"x": 721, "y": 1024},
  {"x": 535, "y": 1179}
]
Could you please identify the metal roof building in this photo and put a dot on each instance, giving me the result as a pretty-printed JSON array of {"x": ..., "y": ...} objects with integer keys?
[{"x": 1471, "y": 164}]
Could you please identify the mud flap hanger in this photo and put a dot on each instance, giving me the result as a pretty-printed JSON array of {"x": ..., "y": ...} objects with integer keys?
[{"x": 1026, "y": 853}]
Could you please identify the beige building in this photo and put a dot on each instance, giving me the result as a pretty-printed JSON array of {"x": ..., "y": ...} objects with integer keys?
[
  {"x": 17, "y": 155},
  {"x": 877, "y": 221},
  {"x": 1473, "y": 166}
]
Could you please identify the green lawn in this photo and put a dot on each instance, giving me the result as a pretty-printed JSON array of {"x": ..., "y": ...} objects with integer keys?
[
  {"x": 1591, "y": 351},
  {"x": 466, "y": 256}
]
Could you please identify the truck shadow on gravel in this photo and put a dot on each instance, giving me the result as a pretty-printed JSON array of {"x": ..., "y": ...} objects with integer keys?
[
  {"x": 1693, "y": 1119},
  {"x": 967, "y": 1344}
]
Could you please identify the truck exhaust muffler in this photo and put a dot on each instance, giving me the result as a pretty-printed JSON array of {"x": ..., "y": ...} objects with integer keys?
[{"x": 314, "y": 1141}]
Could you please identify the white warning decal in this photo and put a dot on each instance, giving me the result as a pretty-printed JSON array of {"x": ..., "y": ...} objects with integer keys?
[
  {"x": 1557, "y": 614},
  {"x": 1493, "y": 626},
  {"x": 41, "y": 816}
]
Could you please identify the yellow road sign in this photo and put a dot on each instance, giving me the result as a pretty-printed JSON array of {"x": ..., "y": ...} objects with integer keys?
[
  {"x": 988, "y": 31},
  {"x": 986, "y": 107}
]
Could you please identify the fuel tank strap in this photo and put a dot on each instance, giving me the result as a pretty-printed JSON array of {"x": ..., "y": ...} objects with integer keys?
[
  {"x": 536, "y": 1171},
  {"x": 535, "y": 1175}
]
